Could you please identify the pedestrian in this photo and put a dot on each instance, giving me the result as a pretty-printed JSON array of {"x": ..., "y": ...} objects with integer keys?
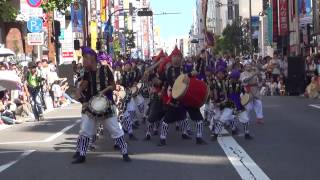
[{"x": 33, "y": 84}]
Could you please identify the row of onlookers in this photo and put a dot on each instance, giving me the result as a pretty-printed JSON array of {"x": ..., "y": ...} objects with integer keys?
[{"x": 39, "y": 89}]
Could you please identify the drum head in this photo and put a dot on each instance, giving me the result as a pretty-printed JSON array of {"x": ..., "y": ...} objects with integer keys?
[
  {"x": 245, "y": 99},
  {"x": 179, "y": 87},
  {"x": 99, "y": 104},
  {"x": 122, "y": 94},
  {"x": 139, "y": 85}
]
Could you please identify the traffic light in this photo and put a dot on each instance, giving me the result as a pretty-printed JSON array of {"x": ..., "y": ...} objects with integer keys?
[
  {"x": 145, "y": 13},
  {"x": 76, "y": 44},
  {"x": 130, "y": 9},
  {"x": 57, "y": 28}
]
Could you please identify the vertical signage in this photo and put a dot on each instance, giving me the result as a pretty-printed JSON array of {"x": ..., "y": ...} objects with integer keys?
[
  {"x": 93, "y": 11},
  {"x": 103, "y": 10},
  {"x": 270, "y": 25},
  {"x": 283, "y": 18},
  {"x": 94, "y": 34},
  {"x": 77, "y": 17},
  {"x": 275, "y": 20}
]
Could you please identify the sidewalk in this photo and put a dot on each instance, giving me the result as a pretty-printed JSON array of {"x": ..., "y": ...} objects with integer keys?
[{"x": 29, "y": 119}]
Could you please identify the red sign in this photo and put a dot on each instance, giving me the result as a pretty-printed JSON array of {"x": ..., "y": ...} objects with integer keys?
[
  {"x": 275, "y": 20},
  {"x": 34, "y": 3},
  {"x": 283, "y": 18},
  {"x": 67, "y": 54}
]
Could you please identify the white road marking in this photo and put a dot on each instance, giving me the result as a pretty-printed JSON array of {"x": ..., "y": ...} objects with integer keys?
[
  {"x": 315, "y": 106},
  {"x": 241, "y": 161},
  {"x": 49, "y": 139},
  {"x": 5, "y": 152},
  {"x": 22, "y": 156}
]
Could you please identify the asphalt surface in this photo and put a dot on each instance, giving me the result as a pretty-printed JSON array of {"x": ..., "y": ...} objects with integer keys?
[{"x": 285, "y": 147}]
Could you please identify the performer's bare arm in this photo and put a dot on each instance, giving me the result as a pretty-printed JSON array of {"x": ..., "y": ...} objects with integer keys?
[{"x": 111, "y": 87}]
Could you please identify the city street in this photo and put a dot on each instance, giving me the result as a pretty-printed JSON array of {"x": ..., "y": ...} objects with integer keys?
[{"x": 285, "y": 147}]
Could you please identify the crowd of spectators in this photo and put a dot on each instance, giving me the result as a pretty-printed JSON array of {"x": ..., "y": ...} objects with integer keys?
[
  {"x": 38, "y": 89},
  {"x": 273, "y": 72}
]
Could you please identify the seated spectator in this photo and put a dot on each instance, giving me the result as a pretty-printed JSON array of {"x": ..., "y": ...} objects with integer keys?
[
  {"x": 24, "y": 108},
  {"x": 273, "y": 87},
  {"x": 313, "y": 89},
  {"x": 57, "y": 93},
  {"x": 6, "y": 113},
  {"x": 282, "y": 87}
]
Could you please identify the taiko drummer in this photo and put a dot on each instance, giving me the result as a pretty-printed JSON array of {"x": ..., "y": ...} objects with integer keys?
[
  {"x": 175, "y": 110},
  {"x": 88, "y": 93}
]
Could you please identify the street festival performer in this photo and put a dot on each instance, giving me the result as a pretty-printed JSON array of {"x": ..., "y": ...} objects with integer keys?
[
  {"x": 155, "y": 111},
  {"x": 226, "y": 93},
  {"x": 177, "y": 98},
  {"x": 128, "y": 80},
  {"x": 250, "y": 80},
  {"x": 97, "y": 105}
]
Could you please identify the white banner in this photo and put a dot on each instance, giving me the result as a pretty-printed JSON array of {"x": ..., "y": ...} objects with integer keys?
[{"x": 35, "y": 39}]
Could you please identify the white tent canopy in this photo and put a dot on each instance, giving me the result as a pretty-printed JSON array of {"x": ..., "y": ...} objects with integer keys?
[{"x": 6, "y": 52}]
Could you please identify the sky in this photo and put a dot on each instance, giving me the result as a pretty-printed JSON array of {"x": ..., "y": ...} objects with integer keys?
[
  {"x": 178, "y": 25},
  {"x": 175, "y": 25}
]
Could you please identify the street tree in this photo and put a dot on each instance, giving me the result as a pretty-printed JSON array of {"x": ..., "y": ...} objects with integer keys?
[
  {"x": 7, "y": 11},
  {"x": 130, "y": 37},
  {"x": 60, "y": 5},
  {"x": 116, "y": 47},
  {"x": 230, "y": 39}
]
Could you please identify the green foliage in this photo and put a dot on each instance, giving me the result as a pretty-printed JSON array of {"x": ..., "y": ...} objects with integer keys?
[
  {"x": 230, "y": 40},
  {"x": 7, "y": 11},
  {"x": 50, "y": 5},
  {"x": 130, "y": 37},
  {"x": 116, "y": 47}
]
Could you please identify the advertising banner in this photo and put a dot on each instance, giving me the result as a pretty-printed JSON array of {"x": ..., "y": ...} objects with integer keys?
[
  {"x": 94, "y": 34},
  {"x": 283, "y": 18},
  {"x": 275, "y": 20},
  {"x": 77, "y": 17}
]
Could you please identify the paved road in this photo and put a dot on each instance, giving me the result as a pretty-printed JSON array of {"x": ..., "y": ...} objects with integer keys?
[{"x": 286, "y": 147}]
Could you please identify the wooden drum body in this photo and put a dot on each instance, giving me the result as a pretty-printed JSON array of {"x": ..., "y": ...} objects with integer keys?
[{"x": 191, "y": 92}]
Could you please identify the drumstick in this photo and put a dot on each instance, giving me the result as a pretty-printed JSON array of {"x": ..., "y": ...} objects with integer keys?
[{"x": 155, "y": 65}]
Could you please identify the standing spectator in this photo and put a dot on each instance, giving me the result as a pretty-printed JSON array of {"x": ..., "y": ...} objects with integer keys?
[
  {"x": 310, "y": 69},
  {"x": 284, "y": 67},
  {"x": 33, "y": 84},
  {"x": 275, "y": 64}
]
